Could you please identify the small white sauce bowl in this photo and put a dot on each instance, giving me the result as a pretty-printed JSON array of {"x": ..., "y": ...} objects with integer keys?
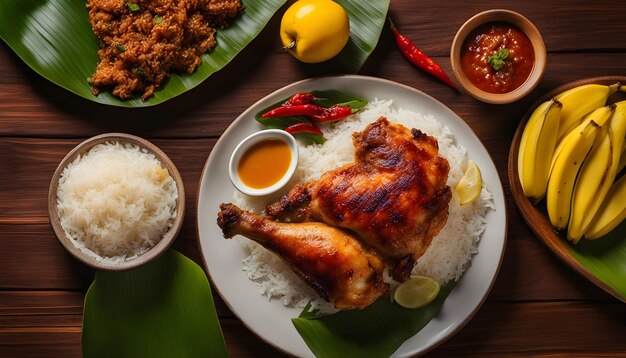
[{"x": 246, "y": 144}]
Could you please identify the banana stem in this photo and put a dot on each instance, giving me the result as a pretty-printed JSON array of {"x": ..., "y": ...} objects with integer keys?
[{"x": 536, "y": 201}]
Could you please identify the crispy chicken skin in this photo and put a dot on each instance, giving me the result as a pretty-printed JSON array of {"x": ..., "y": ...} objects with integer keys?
[
  {"x": 394, "y": 196},
  {"x": 330, "y": 260}
]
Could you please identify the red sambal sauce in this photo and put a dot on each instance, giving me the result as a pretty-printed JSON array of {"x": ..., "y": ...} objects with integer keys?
[{"x": 488, "y": 40}]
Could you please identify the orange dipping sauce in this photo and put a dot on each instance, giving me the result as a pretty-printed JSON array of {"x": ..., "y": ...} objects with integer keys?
[
  {"x": 264, "y": 164},
  {"x": 487, "y": 40}
]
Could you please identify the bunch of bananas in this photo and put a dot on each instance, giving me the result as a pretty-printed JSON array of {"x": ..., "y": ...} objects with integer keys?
[{"x": 571, "y": 153}]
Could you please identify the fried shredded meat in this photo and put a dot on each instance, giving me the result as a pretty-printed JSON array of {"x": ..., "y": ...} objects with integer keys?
[{"x": 143, "y": 41}]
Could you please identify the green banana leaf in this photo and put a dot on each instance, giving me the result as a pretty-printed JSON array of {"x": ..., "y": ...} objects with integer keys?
[
  {"x": 376, "y": 331},
  {"x": 366, "y": 23},
  {"x": 55, "y": 39},
  {"x": 605, "y": 258},
  {"x": 162, "y": 309}
]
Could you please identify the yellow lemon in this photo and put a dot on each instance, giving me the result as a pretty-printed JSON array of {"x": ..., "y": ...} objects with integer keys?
[
  {"x": 314, "y": 30},
  {"x": 470, "y": 184},
  {"x": 416, "y": 292}
]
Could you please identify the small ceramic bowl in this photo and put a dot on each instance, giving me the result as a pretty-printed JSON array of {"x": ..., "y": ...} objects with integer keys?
[
  {"x": 152, "y": 253},
  {"x": 246, "y": 144},
  {"x": 519, "y": 21}
]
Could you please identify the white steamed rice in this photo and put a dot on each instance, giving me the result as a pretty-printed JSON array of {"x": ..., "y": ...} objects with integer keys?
[
  {"x": 116, "y": 201},
  {"x": 450, "y": 252}
]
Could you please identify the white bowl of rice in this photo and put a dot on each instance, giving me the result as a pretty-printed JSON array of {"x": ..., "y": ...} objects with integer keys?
[{"x": 116, "y": 202}]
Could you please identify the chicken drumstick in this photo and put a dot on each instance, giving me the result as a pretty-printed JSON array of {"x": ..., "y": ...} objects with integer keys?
[{"x": 330, "y": 260}]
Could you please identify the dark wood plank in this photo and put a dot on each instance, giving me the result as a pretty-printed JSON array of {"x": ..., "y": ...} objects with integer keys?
[
  {"x": 65, "y": 342},
  {"x": 40, "y": 342},
  {"x": 49, "y": 265},
  {"x": 543, "y": 328},
  {"x": 27, "y": 165},
  {"x": 39, "y": 261},
  {"x": 49, "y": 324},
  {"x": 537, "y": 307},
  {"x": 40, "y": 108},
  {"x": 529, "y": 271},
  {"x": 432, "y": 25},
  {"x": 17, "y": 308}
]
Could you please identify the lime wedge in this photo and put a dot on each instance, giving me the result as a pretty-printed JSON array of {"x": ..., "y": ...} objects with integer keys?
[
  {"x": 470, "y": 184},
  {"x": 416, "y": 292}
]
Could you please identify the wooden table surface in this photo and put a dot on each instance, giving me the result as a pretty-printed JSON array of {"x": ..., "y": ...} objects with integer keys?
[{"x": 538, "y": 306}]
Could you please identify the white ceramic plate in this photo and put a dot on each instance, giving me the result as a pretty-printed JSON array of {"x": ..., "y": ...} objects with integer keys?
[{"x": 270, "y": 320}]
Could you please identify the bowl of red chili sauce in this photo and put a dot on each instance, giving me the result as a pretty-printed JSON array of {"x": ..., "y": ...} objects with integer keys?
[{"x": 498, "y": 56}]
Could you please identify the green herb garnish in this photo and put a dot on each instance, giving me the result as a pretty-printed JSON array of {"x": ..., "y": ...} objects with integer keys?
[
  {"x": 158, "y": 19},
  {"x": 138, "y": 71},
  {"x": 497, "y": 61},
  {"x": 132, "y": 6},
  {"x": 120, "y": 48}
]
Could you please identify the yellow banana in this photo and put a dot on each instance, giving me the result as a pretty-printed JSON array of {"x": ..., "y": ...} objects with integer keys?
[
  {"x": 600, "y": 116},
  {"x": 536, "y": 148},
  {"x": 611, "y": 213},
  {"x": 622, "y": 158},
  {"x": 579, "y": 101},
  {"x": 597, "y": 173},
  {"x": 529, "y": 127},
  {"x": 555, "y": 155},
  {"x": 563, "y": 175}
]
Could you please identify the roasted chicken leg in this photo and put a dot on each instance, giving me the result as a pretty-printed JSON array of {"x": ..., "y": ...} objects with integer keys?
[
  {"x": 394, "y": 196},
  {"x": 330, "y": 260}
]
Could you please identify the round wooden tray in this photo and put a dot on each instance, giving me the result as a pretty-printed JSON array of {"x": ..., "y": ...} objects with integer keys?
[{"x": 535, "y": 216}]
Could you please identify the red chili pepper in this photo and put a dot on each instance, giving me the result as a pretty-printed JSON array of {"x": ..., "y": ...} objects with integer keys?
[
  {"x": 419, "y": 59},
  {"x": 300, "y": 98},
  {"x": 315, "y": 112},
  {"x": 303, "y": 127},
  {"x": 309, "y": 110},
  {"x": 333, "y": 114}
]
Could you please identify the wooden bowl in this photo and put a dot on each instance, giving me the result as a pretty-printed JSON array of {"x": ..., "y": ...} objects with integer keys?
[
  {"x": 507, "y": 16},
  {"x": 536, "y": 216},
  {"x": 157, "y": 249}
]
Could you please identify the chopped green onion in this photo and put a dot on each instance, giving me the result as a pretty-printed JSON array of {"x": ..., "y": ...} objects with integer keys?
[
  {"x": 158, "y": 19},
  {"x": 138, "y": 71},
  {"x": 120, "y": 48},
  {"x": 132, "y": 6}
]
